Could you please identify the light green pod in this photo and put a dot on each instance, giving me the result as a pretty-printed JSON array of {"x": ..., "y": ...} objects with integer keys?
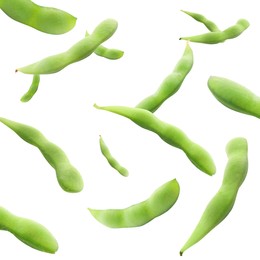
[
  {"x": 28, "y": 231},
  {"x": 68, "y": 176},
  {"x": 111, "y": 54},
  {"x": 46, "y": 19},
  {"x": 77, "y": 52},
  {"x": 218, "y": 37},
  {"x": 202, "y": 19},
  {"x": 171, "y": 83},
  {"x": 222, "y": 203},
  {"x": 168, "y": 133},
  {"x": 111, "y": 160},
  {"x": 32, "y": 90},
  {"x": 234, "y": 96},
  {"x": 140, "y": 214}
]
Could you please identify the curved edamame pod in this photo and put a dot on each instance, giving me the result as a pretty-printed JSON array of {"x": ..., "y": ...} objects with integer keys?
[
  {"x": 171, "y": 83},
  {"x": 222, "y": 203},
  {"x": 140, "y": 214},
  {"x": 234, "y": 96},
  {"x": 28, "y": 231},
  {"x": 218, "y": 37},
  {"x": 32, "y": 90},
  {"x": 202, "y": 19},
  {"x": 68, "y": 176},
  {"x": 111, "y": 160},
  {"x": 46, "y": 19},
  {"x": 168, "y": 133},
  {"x": 111, "y": 54},
  {"x": 77, "y": 52}
]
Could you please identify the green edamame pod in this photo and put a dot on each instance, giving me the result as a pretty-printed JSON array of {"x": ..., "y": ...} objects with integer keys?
[
  {"x": 68, "y": 176},
  {"x": 202, "y": 19},
  {"x": 77, "y": 52},
  {"x": 222, "y": 203},
  {"x": 32, "y": 90},
  {"x": 218, "y": 37},
  {"x": 111, "y": 160},
  {"x": 46, "y": 19},
  {"x": 111, "y": 54},
  {"x": 234, "y": 96},
  {"x": 168, "y": 133},
  {"x": 28, "y": 231},
  {"x": 140, "y": 214},
  {"x": 171, "y": 83}
]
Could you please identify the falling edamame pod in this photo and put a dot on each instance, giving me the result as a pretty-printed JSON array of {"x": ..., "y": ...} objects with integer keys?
[
  {"x": 222, "y": 203},
  {"x": 215, "y": 37},
  {"x": 77, "y": 52},
  {"x": 68, "y": 176},
  {"x": 171, "y": 83},
  {"x": 234, "y": 96},
  {"x": 46, "y": 19},
  {"x": 168, "y": 133},
  {"x": 111, "y": 160},
  {"x": 28, "y": 231},
  {"x": 32, "y": 90},
  {"x": 140, "y": 214}
]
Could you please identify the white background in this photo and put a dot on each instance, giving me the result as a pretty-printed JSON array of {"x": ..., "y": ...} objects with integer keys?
[{"x": 62, "y": 110}]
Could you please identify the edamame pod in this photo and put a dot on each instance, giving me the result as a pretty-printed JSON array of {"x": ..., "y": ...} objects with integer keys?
[
  {"x": 77, "y": 52},
  {"x": 32, "y": 90},
  {"x": 168, "y": 133},
  {"x": 68, "y": 176},
  {"x": 218, "y": 37},
  {"x": 234, "y": 96},
  {"x": 28, "y": 231},
  {"x": 171, "y": 83},
  {"x": 46, "y": 19},
  {"x": 111, "y": 160},
  {"x": 140, "y": 214},
  {"x": 222, "y": 203}
]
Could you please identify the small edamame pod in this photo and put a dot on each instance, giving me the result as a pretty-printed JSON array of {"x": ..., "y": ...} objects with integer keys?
[
  {"x": 111, "y": 54},
  {"x": 77, "y": 52},
  {"x": 32, "y": 90},
  {"x": 46, "y": 19},
  {"x": 28, "y": 231},
  {"x": 140, "y": 214},
  {"x": 111, "y": 160},
  {"x": 218, "y": 37},
  {"x": 234, "y": 96},
  {"x": 168, "y": 133},
  {"x": 68, "y": 176},
  {"x": 222, "y": 203},
  {"x": 171, "y": 83},
  {"x": 202, "y": 19}
]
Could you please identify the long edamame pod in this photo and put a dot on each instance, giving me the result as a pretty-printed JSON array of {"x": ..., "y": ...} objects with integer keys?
[
  {"x": 28, "y": 231},
  {"x": 67, "y": 175},
  {"x": 168, "y": 133},
  {"x": 46, "y": 19},
  {"x": 222, "y": 203},
  {"x": 140, "y": 214}
]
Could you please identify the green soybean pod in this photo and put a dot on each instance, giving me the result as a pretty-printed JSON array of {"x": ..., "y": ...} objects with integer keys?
[
  {"x": 67, "y": 175},
  {"x": 168, "y": 133},
  {"x": 161, "y": 200},
  {"x": 46, "y": 19},
  {"x": 110, "y": 159},
  {"x": 77, "y": 52},
  {"x": 234, "y": 96},
  {"x": 218, "y": 37},
  {"x": 28, "y": 231},
  {"x": 108, "y": 53},
  {"x": 211, "y": 26},
  {"x": 222, "y": 203},
  {"x": 32, "y": 90},
  {"x": 171, "y": 83}
]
